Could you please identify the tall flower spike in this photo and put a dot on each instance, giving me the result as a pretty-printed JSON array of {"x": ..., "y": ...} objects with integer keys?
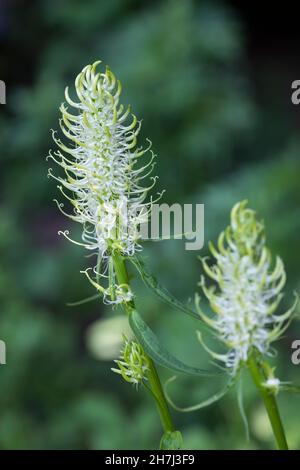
[
  {"x": 246, "y": 290},
  {"x": 133, "y": 364},
  {"x": 103, "y": 175}
]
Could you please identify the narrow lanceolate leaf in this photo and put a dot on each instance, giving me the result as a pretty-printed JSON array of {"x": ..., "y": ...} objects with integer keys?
[
  {"x": 157, "y": 351},
  {"x": 203, "y": 404},
  {"x": 289, "y": 388},
  {"x": 151, "y": 282},
  {"x": 84, "y": 301}
]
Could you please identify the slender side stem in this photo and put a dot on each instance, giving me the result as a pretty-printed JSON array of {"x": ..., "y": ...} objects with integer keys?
[
  {"x": 154, "y": 381},
  {"x": 270, "y": 403}
]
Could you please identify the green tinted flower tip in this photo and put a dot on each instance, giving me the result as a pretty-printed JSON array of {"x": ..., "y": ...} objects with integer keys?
[{"x": 133, "y": 364}]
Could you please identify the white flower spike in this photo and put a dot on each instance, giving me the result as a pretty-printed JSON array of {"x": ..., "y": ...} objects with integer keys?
[
  {"x": 246, "y": 291},
  {"x": 103, "y": 175}
]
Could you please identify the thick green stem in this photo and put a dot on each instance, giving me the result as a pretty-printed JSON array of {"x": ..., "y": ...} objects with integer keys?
[
  {"x": 154, "y": 381},
  {"x": 269, "y": 401}
]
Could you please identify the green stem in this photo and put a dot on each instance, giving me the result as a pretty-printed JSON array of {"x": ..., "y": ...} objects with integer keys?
[
  {"x": 154, "y": 381},
  {"x": 162, "y": 405},
  {"x": 269, "y": 401}
]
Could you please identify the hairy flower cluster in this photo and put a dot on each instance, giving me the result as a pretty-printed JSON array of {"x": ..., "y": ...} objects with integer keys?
[
  {"x": 103, "y": 175},
  {"x": 133, "y": 363},
  {"x": 246, "y": 290}
]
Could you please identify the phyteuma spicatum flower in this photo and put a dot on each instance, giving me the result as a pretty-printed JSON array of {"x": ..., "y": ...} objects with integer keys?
[
  {"x": 245, "y": 292},
  {"x": 133, "y": 364},
  {"x": 103, "y": 180}
]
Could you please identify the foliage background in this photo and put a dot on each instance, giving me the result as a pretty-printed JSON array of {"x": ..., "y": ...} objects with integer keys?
[{"x": 212, "y": 84}]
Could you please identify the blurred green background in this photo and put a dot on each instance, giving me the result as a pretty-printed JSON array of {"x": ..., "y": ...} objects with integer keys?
[{"x": 212, "y": 84}]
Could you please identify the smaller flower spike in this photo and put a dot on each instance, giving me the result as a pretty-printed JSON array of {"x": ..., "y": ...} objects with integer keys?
[
  {"x": 133, "y": 363},
  {"x": 246, "y": 290},
  {"x": 103, "y": 180}
]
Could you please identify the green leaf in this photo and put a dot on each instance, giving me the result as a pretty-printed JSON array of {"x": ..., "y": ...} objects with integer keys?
[
  {"x": 203, "y": 404},
  {"x": 151, "y": 282},
  {"x": 157, "y": 351},
  {"x": 289, "y": 388},
  {"x": 171, "y": 441},
  {"x": 83, "y": 301}
]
